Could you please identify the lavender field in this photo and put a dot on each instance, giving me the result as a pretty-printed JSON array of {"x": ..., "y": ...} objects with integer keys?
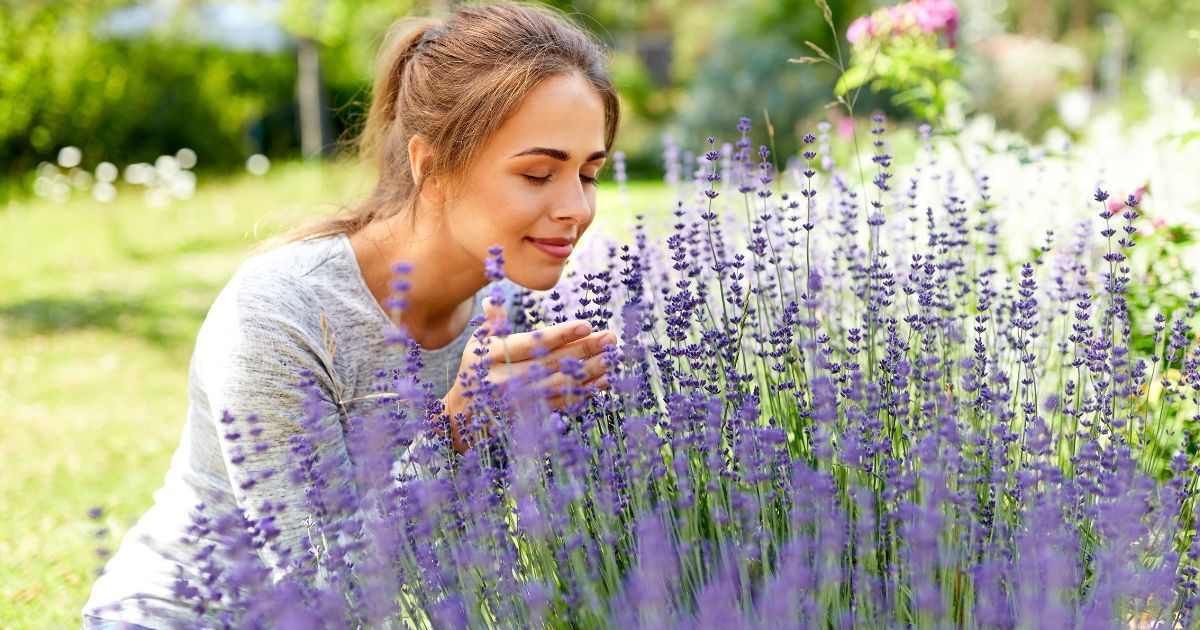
[
  {"x": 920, "y": 358},
  {"x": 847, "y": 395}
]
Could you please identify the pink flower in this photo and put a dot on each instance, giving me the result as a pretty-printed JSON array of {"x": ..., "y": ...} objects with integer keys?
[
  {"x": 1117, "y": 203},
  {"x": 936, "y": 16},
  {"x": 859, "y": 29},
  {"x": 1156, "y": 224},
  {"x": 845, "y": 127},
  {"x": 927, "y": 17}
]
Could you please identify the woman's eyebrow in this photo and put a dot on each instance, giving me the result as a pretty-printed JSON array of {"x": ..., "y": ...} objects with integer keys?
[{"x": 559, "y": 154}]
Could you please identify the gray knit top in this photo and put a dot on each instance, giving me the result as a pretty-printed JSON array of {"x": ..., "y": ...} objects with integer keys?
[{"x": 264, "y": 328}]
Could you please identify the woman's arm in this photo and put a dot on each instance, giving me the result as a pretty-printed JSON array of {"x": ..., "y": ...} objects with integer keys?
[{"x": 258, "y": 340}]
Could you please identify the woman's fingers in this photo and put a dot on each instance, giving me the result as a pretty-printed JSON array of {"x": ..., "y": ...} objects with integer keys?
[
  {"x": 579, "y": 350},
  {"x": 544, "y": 357},
  {"x": 599, "y": 382},
  {"x": 590, "y": 347},
  {"x": 560, "y": 383},
  {"x": 562, "y": 400},
  {"x": 525, "y": 346}
]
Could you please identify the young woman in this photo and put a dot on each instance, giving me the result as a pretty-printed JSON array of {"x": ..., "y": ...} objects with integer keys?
[{"x": 488, "y": 128}]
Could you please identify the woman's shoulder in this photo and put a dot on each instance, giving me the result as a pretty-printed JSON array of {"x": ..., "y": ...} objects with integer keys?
[
  {"x": 287, "y": 273},
  {"x": 297, "y": 259},
  {"x": 281, "y": 284}
]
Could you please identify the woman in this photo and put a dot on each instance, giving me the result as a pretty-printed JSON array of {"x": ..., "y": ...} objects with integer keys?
[{"x": 489, "y": 128}]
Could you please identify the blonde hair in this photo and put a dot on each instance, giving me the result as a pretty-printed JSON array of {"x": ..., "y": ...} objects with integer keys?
[{"x": 455, "y": 81}]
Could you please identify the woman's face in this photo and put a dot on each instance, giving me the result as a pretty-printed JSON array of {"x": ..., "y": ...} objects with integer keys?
[{"x": 532, "y": 190}]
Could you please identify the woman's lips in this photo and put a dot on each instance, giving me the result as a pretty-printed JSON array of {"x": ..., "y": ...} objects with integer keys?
[{"x": 556, "y": 247}]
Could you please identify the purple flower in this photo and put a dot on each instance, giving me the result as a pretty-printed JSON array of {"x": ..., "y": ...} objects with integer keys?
[
  {"x": 836, "y": 408},
  {"x": 494, "y": 265}
]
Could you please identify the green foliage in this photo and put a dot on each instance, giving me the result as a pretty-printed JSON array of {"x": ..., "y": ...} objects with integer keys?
[
  {"x": 906, "y": 50},
  {"x": 130, "y": 100},
  {"x": 1158, "y": 32},
  {"x": 65, "y": 81},
  {"x": 1161, "y": 285},
  {"x": 349, "y": 32},
  {"x": 728, "y": 60},
  {"x": 921, "y": 76},
  {"x": 730, "y": 88},
  {"x": 742, "y": 69},
  {"x": 1163, "y": 281},
  {"x": 125, "y": 100}
]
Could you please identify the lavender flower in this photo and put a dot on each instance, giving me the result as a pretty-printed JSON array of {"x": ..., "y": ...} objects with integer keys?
[{"x": 809, "y": 424}]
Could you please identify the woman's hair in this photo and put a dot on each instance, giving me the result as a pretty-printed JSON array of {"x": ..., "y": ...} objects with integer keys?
[{"x": 455, "y": 81}]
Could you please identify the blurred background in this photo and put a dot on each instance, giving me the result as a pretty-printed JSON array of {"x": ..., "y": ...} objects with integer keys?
[
  {"x": 147, "y": 145},
  {"x": 126, "y": 81}
]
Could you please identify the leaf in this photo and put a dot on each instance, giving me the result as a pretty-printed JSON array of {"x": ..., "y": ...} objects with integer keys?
[
  {"x": 850, "y": 79},
  {"x": 908, "y": 96},
  {"x": 1187, "y": 137},
  {"x": 327, "y": 337}
]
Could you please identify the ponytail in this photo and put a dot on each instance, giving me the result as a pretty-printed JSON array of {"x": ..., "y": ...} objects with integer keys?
[
  {"x": 403, "y": 40},
  {"x": 379, "y": 138}
]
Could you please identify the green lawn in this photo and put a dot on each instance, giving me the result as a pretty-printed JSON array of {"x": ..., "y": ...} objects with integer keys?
[{"x": 98, "y": 313}]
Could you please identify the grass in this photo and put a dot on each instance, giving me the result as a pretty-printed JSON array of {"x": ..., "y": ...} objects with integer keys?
[{"x": 100, "y": 308}]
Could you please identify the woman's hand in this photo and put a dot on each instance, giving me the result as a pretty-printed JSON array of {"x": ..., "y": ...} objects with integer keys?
[{"x": 512, "y": 357}]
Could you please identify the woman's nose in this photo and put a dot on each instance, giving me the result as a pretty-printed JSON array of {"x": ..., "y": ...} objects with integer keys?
[{"x": 575, "y": 206}]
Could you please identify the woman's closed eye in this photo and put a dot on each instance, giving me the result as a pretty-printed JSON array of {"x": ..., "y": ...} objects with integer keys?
[
  {"x": 537, "y": 180},
  {"x": 542, "y": 180}
]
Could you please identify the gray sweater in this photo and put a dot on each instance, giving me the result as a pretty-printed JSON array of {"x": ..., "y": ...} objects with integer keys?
[{"x": 264, "y": 328}]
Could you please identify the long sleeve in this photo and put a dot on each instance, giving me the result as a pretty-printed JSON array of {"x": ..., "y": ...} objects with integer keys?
[{"x": 258, "y": 341}]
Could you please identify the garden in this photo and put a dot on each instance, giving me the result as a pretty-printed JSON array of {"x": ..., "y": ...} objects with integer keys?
[{"x": 917, "y": 350}]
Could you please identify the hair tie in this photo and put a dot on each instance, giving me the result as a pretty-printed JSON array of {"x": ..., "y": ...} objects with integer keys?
[{"x": 427, "y": 37}]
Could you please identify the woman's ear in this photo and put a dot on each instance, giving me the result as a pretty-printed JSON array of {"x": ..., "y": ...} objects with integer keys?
[{"x": 420, "y": 152}]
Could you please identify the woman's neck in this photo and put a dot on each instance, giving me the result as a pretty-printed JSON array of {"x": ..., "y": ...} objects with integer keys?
[{"x": 443, "y": 282}]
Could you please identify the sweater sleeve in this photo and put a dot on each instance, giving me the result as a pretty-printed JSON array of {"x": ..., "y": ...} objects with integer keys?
[{"x": 263, "y": 336}]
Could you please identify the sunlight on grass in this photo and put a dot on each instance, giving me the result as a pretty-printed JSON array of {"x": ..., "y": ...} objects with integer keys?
[{"x": 101, "y": 308}]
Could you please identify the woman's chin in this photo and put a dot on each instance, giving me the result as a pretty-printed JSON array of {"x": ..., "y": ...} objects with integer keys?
[{"x": 536, "y": 281}]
